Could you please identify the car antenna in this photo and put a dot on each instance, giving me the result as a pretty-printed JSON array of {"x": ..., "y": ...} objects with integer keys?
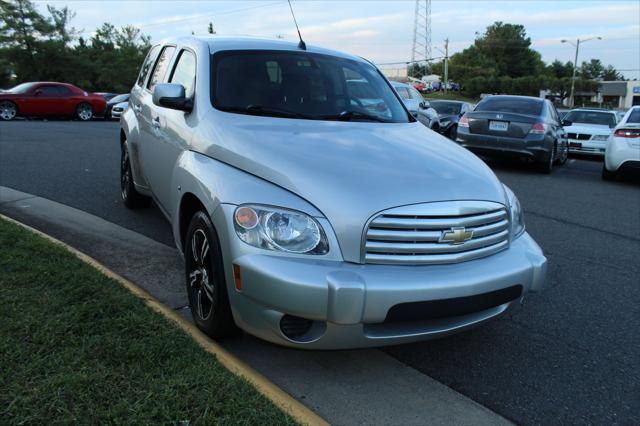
[{"x": 302, "y": 44}]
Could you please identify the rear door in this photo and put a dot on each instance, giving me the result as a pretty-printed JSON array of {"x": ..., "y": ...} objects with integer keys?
[
  {"x": 151, "y": 128},
  {"x": 46, "y": 101},
  {"x": 507, "y": 117}
]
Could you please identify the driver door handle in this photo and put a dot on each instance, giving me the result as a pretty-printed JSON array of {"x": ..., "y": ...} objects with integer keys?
[{"x": 156, "y": 122}]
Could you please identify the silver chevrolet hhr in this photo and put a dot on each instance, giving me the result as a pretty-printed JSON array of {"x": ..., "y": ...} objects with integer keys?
[{"x": 311, "y": 208}]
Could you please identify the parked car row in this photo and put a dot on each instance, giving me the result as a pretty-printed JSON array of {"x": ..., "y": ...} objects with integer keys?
[{"x": 54, "y": 99}]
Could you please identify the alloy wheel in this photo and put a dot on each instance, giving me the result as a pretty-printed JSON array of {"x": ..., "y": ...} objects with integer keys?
[
  {"x": 201, "y": 277},
  {"x": 125, "y": 175},
  {"x": 8, "y": 110},
  {"x": 84, "y": 112}
]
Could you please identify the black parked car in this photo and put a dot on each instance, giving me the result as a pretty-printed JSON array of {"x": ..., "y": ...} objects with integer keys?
[
  {"x": 112, "y": 102},
  {"x": 519, "y": 126},
  {"x": 449, "y": 112}
]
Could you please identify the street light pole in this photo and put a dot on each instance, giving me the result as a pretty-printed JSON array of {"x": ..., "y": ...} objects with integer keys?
[
  {"x": 446, "y": 65},
  {"x": 573, "y": 78},
  {"x": 575, "y": 65}
]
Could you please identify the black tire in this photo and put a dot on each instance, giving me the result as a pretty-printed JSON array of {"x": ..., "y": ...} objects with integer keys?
[
  {"x": 546, "y": 165},
  {"x": 453, "y": 132},
  {"x": 8, "y": 110},
  {"x": 130, "y": 196},
  {"x": 84, "y": 111},
  {"x": 564, "y": 155},
  {"x": 607, "y": 175},
  {"x": 205, "y": 282}
]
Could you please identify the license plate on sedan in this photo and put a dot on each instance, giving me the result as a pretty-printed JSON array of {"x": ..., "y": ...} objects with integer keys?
[{"x": 500, "y": 126}]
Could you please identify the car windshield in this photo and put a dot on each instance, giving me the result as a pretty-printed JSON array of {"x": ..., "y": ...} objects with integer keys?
[
  {"x": 511, "y": 104},
  {"x": 119, "y": 98},
  {"x": 303, "y": 85},
  {"x": 447, "y": 108},
  {"x": 21, "y": 88},
  {"x": 592, "y": 117}
]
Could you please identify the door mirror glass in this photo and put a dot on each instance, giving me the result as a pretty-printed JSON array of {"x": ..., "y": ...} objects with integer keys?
[
  {"x": 171, "y": 95},
  {"x": 565, "y": 123},
  {"x": 425, "y": 105}
]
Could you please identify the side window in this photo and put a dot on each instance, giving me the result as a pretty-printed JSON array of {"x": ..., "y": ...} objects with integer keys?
[
  {"x": 63, "y": 91},
  {"x": 48, "y": 90},
  {"x": 161, "y": 67},
  {"x": 416, "y": 95},
  {"x": 403, "y": 92},
  {"x": 146, "y": 65},
  {"x": 185, "y": 72},
  {"x": 553, "y": 112}
]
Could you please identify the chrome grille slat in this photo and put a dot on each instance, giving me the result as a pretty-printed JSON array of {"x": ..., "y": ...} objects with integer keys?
[
  {"x": 436, "y": 223},
  {"x": 400, "y": 237},
  {"x": 436, "y": 248}
]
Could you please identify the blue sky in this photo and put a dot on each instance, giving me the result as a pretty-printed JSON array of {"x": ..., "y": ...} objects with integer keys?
[{"x": 382, "y": 30}]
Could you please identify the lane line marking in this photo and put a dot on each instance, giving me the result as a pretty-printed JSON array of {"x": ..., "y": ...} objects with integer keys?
[{"x": 270, "y": 390}]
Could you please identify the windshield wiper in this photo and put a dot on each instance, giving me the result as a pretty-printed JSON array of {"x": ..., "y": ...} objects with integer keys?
[
  {"x": 349, "y": 115},
  {"x": 275, "y": 112}
]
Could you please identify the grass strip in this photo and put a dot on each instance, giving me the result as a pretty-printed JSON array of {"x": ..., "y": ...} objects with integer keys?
[{"x": 76, "y": 347}]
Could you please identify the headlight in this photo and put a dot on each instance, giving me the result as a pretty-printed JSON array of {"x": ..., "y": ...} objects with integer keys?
[
  {"x": 279, "y": 229},
  {"x": 599, "y": 137},
  {"x": 516, "y": 214}
]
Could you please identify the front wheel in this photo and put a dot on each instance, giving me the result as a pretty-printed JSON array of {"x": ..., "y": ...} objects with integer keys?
[
  {"x": 130, "y": 196},
  {"x": 607, "y": 175},
  {"x": 84, "y": 112},
  {"x": 206, "y": 285},
  {"x": 564, "y": 155},
  {"x": 8, "y": 110}
]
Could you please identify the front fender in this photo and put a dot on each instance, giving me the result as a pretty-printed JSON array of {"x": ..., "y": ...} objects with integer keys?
[
  {"x": 214, "y": 183},
  {"x": 129, "y": 125}
]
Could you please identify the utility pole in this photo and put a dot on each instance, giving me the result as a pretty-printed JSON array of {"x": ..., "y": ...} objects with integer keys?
[
  {"x": 446, "y": 64},
  {"x": 575, "y": 65}
]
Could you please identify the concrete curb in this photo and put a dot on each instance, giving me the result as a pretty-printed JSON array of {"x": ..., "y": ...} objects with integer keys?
[{"x": 272, "y": 392}]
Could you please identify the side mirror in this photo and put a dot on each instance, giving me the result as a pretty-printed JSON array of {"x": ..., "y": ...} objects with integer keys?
[
  {"x": 424, "y": 105},
  {"x": 172, "y": 96},
  {"x": 566, "y": 123}
]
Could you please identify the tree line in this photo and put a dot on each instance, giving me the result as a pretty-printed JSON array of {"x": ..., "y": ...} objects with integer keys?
[
  {"x": 501, "y": 60},
  {"x": 45, "y": 47}
]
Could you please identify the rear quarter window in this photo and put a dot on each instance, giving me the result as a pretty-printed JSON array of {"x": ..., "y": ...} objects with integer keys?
[
  {"x": 634, "y": 117},
  {"x": 146, "y": 65},
  {"x": 513, "y": 105}
]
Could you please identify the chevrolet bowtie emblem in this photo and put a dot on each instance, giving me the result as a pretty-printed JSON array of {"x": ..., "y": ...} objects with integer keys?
[{"x": 455, "y": 236}]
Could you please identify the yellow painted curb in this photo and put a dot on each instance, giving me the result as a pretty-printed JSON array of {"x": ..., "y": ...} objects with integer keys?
[{"x": 276, "y": 395}]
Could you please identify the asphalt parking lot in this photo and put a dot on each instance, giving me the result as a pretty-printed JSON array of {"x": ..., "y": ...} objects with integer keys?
[{"x": 569, "y": 356}]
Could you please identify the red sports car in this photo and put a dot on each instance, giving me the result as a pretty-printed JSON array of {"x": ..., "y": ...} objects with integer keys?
[{"x": 48, "y": 99}]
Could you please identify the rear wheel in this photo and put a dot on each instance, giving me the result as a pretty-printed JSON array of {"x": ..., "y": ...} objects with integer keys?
[
  {"x": 546, "y": 166},
  {"x": 206, "y": 285},
  {"x": 8, "y": 110},
  {"x": 84, "y": 111},
  {"x": 453, "y": 132},
  {"x": 130, "y": 196},
  {"x": 607, "y": 175}
]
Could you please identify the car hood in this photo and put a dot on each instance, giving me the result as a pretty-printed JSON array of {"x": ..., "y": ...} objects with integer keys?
[
  {"x": 349, "y": 170},
  {"x": 592, "y": 129}
]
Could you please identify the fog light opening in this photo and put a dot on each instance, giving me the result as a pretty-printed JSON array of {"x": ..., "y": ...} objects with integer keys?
[{"x": 301, "y": 330}]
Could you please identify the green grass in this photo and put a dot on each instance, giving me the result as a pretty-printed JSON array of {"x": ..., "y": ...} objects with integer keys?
[
  {"x": 76, "y": 347},
  {"x": 450, "y": 96}
]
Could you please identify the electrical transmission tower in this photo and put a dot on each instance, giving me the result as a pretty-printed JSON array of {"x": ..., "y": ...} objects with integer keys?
[{"x": 421, "y": 51}]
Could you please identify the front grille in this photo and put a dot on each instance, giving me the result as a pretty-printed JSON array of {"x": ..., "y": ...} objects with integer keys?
[
  {"x": 579, "y": 136},
  {"x": 417, "y": 239}
]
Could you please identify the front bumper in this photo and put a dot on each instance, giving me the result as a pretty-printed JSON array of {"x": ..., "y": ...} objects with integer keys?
[
  {"x": 349, "y": 303},
  {"x": 587, "y": 147}
]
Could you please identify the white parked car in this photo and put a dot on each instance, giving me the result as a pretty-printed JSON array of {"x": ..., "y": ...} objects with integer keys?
[
  {"x": 417, "y": 105},
  {"x": 118, "y": 109},
  {"x": 623, "y": 148},
  {"x": 589, "y": 130}
]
